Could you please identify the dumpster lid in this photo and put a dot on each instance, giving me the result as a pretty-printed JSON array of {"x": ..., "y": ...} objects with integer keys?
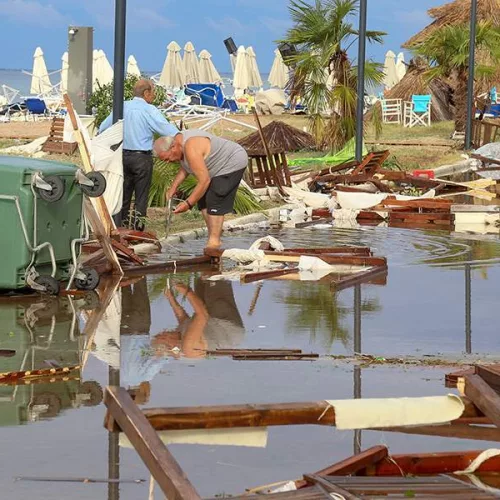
[{"x": 8, "y": 162}]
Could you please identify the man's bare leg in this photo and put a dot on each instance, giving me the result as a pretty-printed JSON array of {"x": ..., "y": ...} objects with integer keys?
[{"x": 214, "y": 225}]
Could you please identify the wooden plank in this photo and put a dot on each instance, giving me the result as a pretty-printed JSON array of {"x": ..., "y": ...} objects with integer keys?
[
  {"x": 419, "y": 217},
  {"x": 359, "y": 278},
  {"x": 169, "y": 266},
  {"x": 347, "y": 260},
  {"x": 334, "y": 250},
  {"x": 483, "y": 396},
  {"x": 160, "y": 462},
  {"x": 232, "y": 352},
  {"x": 274, "y": 357},
  {"x": 253, "y": 277},
  {"x": 127, "y": 252},
  {"x": 252, "y": 415},
  {"x": 490, "y": 374},
  {"x": 432, "y": 463},
  {"x": 353, "y": 465},
  {"x": 455, "y": 431},
  {"x": 249, "y": 415},
  {"x": 329, "y": 487}
]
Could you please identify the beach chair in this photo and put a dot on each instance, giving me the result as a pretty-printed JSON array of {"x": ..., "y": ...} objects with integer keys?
[
  {"x": 392, "y": 110},
  {"x": 418, "y": 111},
  {"x": 208, "y": 94},
  {"x": 36, "y": 108}
]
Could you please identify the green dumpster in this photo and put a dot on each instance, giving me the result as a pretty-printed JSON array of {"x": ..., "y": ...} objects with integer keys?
[{"x": 41, "y": 222}]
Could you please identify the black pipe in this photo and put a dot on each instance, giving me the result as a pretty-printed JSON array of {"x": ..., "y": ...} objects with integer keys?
[
  {"x": 119, "y": 61},
  {"x": 470, "y": 82},
  {"x": 361, "y": 79}
]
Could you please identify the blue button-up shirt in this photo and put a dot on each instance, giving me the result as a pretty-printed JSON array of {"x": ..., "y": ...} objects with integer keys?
[{"x": 141, "y": 121}]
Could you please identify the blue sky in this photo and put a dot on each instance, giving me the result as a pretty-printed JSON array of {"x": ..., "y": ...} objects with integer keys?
[{"x": 152, "y": 24}]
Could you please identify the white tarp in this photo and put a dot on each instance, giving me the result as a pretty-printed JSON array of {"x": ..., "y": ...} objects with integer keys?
[
  {"x": 396, "y": 412},
  {"x": 271, "y": 102},
  {"x": 107, "y": 334},
  {"x": 110, "y": 164}
]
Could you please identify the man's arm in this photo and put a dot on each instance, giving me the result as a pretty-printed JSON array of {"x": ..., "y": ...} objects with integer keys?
[
  {"x": 160, "y": 124},
  {"x": 106, "y": 123},
  {"x": 179, "y": 179},
  {"x": 194, "y": 151}
]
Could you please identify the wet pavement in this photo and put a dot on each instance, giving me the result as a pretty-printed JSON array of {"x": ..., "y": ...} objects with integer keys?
[{"x": 439, "y": 300}]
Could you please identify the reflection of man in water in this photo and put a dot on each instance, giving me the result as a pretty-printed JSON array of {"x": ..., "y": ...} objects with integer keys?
[
  {"x": 216, "y": 322},
  {"x": 138, "y": 361}
]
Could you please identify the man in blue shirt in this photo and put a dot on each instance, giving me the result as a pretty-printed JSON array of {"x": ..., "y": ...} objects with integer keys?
[{"x": 141, "y": 121}]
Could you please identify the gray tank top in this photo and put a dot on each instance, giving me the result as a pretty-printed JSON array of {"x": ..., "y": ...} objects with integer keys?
[{"x": 225, "y": 156}]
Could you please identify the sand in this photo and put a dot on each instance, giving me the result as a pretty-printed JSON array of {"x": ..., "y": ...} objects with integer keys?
[{"x": 25, "y": 130}]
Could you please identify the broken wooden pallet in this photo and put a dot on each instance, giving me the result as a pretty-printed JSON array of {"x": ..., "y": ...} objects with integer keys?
[{"x": 55, "y": 142}]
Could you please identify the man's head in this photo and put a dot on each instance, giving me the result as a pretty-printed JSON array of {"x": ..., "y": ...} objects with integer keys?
[
  {"x": 145, "y": 89},
  {"x": 173, "y": 146}
]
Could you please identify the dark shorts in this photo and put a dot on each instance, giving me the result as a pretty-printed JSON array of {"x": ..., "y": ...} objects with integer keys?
[{"x": 220, "y": 195}]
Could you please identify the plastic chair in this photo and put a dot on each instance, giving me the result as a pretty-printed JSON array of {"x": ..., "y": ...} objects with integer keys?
[{"x": 418, "y": 111}]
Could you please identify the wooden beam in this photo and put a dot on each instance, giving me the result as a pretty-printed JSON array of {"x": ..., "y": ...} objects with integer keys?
[
  {"x": 171, "y": 265},
  {"x": 252, "y": 415},
  {"x": 353, "y": 465},
  {"x": 253, "y": 277},
  {"x": 455, "y": 431},
  {"x": 358, "y": 278},
  {"x": 155, "y": 455},
  {"x": 483, "y": 396},
  {"x": 432, "y": 463},
  {"x": 490, "y": 374}
]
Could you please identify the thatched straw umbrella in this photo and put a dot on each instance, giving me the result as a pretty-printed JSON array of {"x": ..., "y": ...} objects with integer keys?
[
  {"x": 457, "y": 12},
  {"x": 415, "y": 83},
  {"x": 280, "y": 138}
]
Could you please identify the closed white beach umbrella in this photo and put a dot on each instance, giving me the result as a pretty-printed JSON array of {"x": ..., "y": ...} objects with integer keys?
[
  {"x": 64, "y": 73},
  {"x": 191, "y": 64},
  {"x": 255, "y": 78},
  {"x": 208, "y": 72},
  {"x": 232, "y": 59},
  {"x": 391, "y": 77},
  {"x": 173, "y": 75},
  {"x": 400, "y": 66},
  {"x": 40, "y": 81},
  {"x": 108, "y": 73},
  {"x": 241, "y": 79},
  {"x": 278, "y": 76},
  {"x": 133, "y": 67},
  {"x": 102, "y": 70}
]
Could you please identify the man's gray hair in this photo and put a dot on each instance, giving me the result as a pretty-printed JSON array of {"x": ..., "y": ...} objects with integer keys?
[{"x": 142, "y": 86}]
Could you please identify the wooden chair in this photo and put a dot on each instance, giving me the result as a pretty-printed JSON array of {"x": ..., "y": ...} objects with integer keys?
[
  {"x": 55, "y": 143},
  {"x": 392, "y": 110},
  {"x": 263, "y": 171},
  {"x": 418, "y": 111}
]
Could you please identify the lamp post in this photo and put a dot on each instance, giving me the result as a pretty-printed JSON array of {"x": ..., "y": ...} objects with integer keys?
[
  {"x": 119, "y": 59},
  {"x": 470, "y": 82},
  {"x": 361, "y": 79}
]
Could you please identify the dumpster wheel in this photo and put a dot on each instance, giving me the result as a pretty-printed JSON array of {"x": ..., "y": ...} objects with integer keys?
[
  {"x": 98, "y": 187},
  {"x": 90, "y": 281},
  {"x": 50, "y": 284},
  {"x": 57, "y": 191}
]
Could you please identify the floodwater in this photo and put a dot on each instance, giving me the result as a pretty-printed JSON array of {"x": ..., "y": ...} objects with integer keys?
[{"x": 439, "y": 299}]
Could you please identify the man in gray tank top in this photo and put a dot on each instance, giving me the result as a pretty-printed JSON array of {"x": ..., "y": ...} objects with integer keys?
[{"x": 218, "y": 164}]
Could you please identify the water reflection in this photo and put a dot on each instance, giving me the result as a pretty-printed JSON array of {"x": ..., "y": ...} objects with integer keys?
[{"x": 41, "y": 338}]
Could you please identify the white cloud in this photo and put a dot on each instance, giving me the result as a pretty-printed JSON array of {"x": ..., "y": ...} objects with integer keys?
[
  {"x": 418, "y": 17},
  {"x": 32, "y": 12},
  {"x": 277, "y": 27},
  {"x": 143, "y": 18},
  {"x": 228, "y": 25}
]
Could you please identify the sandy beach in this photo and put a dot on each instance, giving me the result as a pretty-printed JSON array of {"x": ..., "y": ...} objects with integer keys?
[{"x": 24, "y": 130}]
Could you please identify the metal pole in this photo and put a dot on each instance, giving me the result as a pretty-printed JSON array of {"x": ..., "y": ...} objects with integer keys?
[
  {"x": 119, "y": 61},
  {"x": 470, "y": 82},
  {"x": 468, "y": 309},
  {"x": 357, "y": 369},
  {"x": 361, "y": 79}
]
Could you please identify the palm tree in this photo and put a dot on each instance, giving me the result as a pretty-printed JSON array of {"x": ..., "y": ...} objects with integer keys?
[
  {"x": 324, "y": 76},
  {"x": 447, "y": 51}
]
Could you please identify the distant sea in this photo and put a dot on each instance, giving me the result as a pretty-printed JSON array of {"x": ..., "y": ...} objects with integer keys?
[{"x": 18, "y": 80}]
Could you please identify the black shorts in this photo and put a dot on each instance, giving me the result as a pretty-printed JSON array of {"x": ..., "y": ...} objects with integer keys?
[{"x": 220, "y": 195}]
